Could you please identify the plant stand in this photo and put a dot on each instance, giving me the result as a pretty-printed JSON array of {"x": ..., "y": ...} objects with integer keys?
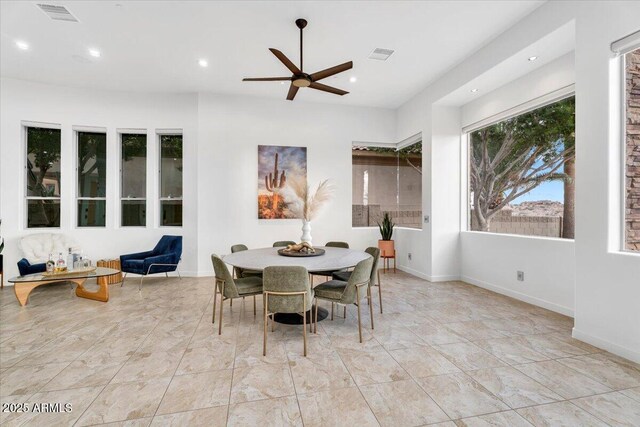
[{"x": 386, "y": 261}]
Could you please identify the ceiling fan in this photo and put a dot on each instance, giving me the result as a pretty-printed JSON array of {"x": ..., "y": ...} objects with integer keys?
[{"x": 301, "y": 79}]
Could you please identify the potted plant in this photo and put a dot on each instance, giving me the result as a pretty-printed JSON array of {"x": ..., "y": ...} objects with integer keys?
[{"x": 385, "y": 244}]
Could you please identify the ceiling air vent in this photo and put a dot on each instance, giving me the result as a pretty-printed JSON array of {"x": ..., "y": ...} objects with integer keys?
[
  {"x": 57, "y": 13},
  {"x": 381, "y": 54}
]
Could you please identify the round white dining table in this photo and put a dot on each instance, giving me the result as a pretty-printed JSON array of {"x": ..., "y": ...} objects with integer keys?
[{"x": 333, "y": 259}]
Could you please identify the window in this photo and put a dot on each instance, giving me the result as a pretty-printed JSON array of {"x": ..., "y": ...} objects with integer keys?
[
  {"x": 522, "y": 173},
  {"x": 92, "y": 179},
  {"x": 133, "y": 174},
  {"x": 387, "y": 180},
  {"x": 632, "y": 152},
  {"x": 171, "y": 180},
  {"x": 43, "y": 177}
]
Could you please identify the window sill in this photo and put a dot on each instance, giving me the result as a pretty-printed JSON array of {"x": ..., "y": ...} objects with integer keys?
[{"x": 518, "y": 236}]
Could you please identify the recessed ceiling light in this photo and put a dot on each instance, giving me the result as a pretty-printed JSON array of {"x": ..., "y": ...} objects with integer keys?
[
  {"x": 203, "y": 63},
  {"x": 532, "y": 58},
  {"x": 22, "y": 45},
  {"x": 381, "y": 54},
  {"x": 95, "y": 53},
  {"x": 474, "y": 90},
  {"x": 353, "y": 79}
]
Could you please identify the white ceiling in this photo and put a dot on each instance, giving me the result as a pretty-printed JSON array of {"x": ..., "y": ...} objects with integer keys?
[{"x": 154, "y": 46}]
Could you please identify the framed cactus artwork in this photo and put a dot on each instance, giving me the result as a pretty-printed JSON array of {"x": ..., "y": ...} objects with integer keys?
[{"x": 276, "y": 166}]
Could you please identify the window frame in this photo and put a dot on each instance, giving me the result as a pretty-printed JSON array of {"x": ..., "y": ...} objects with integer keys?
[
  {"x": 24, "y": 126},
  {"x": 407, "y": 142},
  {"x": 76, "y": 133},
  {"x": 159, "y": 134},
  {"x": 121, "y": 133},
  {"x": 520, "y": 109}
]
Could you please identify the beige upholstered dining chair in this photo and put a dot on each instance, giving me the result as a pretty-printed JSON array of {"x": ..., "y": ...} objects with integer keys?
[
  {"x": 375, "y": 253},
  {"x": 327, "y": 274},
  {"x": 243, "y": 272},
  {"x": 230, "y": 288},
  {"x": 341, "y": 292},
  {"x": 286, "y": 290},
  {"x": 283, "y": 243}
]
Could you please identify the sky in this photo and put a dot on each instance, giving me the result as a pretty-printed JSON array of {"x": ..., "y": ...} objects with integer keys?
[{"x": 293, "y": 160}]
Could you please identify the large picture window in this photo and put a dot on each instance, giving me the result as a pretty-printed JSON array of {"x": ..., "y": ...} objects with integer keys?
[
  {"x": 387, "y": 180},
  {"x": 43, "y": 177},
  {"x": 133, "y": 174},
  {"x": 522, "y": 173},
  {"x": 632, "y": 152},
  {"x": 92, "y": 179},
  {"x": 171, "y": 180}
]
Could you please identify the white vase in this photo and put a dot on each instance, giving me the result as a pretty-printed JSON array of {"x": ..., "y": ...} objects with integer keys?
[{"x": 306, "y": 232}]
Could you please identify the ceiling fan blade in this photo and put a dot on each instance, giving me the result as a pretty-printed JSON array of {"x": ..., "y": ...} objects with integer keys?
[
  {"x": 266, "y": 79},
  {"x": 331, "y": 71},
  {"x": 325, "y": 88},
  {"x": 287, "y": 63},
  {"x": 292, "y": 92}
]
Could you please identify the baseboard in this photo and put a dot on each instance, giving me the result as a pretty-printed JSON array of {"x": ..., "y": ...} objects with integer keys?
[
  {"x": 619, "y": 350},
  {"x": 520, "y": 296},
  {"x": 413, "y": 272}
]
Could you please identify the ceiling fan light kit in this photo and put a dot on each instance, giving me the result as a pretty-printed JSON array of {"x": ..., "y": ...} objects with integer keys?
[{"x": 299, "y": 78}]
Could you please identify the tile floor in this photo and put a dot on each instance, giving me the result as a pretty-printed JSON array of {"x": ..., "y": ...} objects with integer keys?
[{"x": 442, "y": 354}]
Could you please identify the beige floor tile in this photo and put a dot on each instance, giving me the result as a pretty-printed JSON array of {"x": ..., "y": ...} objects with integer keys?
[
  {"x": 121, "y": 402},
  {"x": 612, "y": 373},
  {"x": 474, "y": 330},
  {"x": 461, "y": 396},
  {"x": 511, "y": 351},
  {"x": 343, "y": 407},
  {"x": 138, "y": 422},
  {"x": 506, "y": 419},
  {"x": 318, "y": 372},
  {"x": 633, "y": 393},
  {"x": 513, "y": 387},
  {"x": 559, "y": 414},
  {"x": 62, "y": 349},
  {"x": 207, "y": 358},
  {"x": 615, "y": 409},
  {"x": 551, "y": 345},
  {"x": 197, "y": 391},
  {"x": 261, "y": 382},
  {"x": 468, "y": 356},
  {"x": 397, "y": 338},
  {"x": 563, "y": 380},
  {"x": 434, "y": 334},
  {"x": 250, "y": 353},
  {"x": 28, "y": 379},
  {"x": 371, "y": 367},
  {"x": 86, "y": 372},
  {"x": 208, "y": 417},
  {"x": 402, "y": 403},
  {"x": 143, "y": 366},
  {"x": 420, "y": 362},
  {"x": 280, "y": 412}
]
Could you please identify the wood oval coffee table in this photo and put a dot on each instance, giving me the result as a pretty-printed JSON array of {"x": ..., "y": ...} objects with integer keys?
[
  {"x": 332, "y": 260},
  {"x": 23, "y": 285}
]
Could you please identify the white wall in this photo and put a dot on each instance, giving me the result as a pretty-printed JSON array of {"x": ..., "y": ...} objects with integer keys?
[
  {"x": 21, "y": 100},
  {"x": 231, "y": 128},
  {"x": 491, "y": 260}
]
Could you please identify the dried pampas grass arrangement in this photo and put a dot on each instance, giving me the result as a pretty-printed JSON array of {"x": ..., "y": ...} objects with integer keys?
[{"x": 302, "y": 202}]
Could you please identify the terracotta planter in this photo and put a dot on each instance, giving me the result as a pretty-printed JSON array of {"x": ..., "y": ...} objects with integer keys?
[{"x": 387, "y": 248}]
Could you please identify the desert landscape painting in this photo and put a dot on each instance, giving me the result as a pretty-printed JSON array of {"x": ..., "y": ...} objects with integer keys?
[{"x": 276, "y": 166}]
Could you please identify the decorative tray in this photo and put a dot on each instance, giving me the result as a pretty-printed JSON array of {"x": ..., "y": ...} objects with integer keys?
[
  {"x": 69, "y": 272},
  {"x": 317, "y": 252}
]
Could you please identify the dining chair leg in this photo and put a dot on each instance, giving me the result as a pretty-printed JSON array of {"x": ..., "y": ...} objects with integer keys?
[
  {"x": 370, "y": 305},
  {"x": 230, "y": 303},
  {"x": 215, "y": 297},
  {"x": 304, "y": 323},
  {"x": 358, "y": 305},
  {"x": 266, "y": 320},
  {"x": 316, "y": 327},
  {"x": 332, "y": 305},
  {"x": 121, "y": 283},
  {"x": 254, "y": 306},
  {"x": 345, "y": 312},
  {"x": 221, "y": 307},
  {"x": 380, "y": 291}
]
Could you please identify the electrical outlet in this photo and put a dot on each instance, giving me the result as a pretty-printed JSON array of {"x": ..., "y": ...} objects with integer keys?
[
  {"x": 426, "y": 219},
  {"x": 521, "y": 276},
  {"x": 409, "y": 256}
]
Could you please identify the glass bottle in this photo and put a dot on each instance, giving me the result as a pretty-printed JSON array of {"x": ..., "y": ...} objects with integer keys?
[
  {"x": 61, "y": 264},
  {"x": 51, "y": 265}
]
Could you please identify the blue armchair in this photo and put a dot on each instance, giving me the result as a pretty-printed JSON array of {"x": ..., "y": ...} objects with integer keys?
[
  {"x": 162, "y": 259},
  {"x": 25, "y": 267}
]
